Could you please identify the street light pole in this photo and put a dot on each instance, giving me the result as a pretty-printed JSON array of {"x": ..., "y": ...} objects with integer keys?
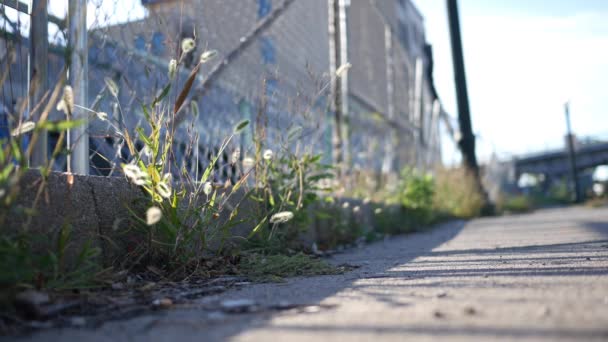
[{"x": 572, "y": 155}]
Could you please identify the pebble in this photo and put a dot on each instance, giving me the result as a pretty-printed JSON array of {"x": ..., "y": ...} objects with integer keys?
[
  {"x": 163, "y": 303},
  {"x": 118, "y": 286},
  {"x": 469, "y": 310},
  {"x": 33, "y": 297},
  {"x": 441, "y": 294},
  {"x": 238, "y": 305},
  {"x": 78, "y": 321}
]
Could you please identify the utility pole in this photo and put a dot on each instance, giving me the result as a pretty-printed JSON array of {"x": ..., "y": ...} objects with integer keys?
[
  {"x": 78, "y": 144},
  {"x": 39, "y": 52},
  {"x": 467, "y": 141},
  {"x": 572, "y": 155}
]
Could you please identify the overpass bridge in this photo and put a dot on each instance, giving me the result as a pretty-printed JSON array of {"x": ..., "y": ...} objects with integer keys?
[{"x": 555, "y": 164}]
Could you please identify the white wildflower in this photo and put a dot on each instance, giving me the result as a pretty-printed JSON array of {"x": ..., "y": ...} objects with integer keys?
[
  {"x": 207, "y": 188},
  {"x": 248, "y": 163},
  {"x": 208, "y": 55},
  {"x": 23, "y": 128},
  {"x": 356, "y": 209},
  {"x": 164, "y": 189},
  {"x": 345, "y": 205},
  {"x": 131, "y": 171},
  {"x": 66, "y": 104},
  {"x": 268, "y": 154},
  {"x": 281, "y": 217},
  {"x": 153, "y": 215},
  {"x": 61, "y": 107},
  {"x": 378, "y": 211},
  {"x": 172, "y": 69},
  {"x": 103, "y": 116},
  {"x": 366, "y": 200},
  {"x": 188, "y": 44},
  {"x": 135, "y": 174},
  {"x": 343, "y": 69}
]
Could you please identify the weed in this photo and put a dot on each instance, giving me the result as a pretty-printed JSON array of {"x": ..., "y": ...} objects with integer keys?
[
  {"x": 456, "y": 193},
  {"x": 516, "y": 204}
]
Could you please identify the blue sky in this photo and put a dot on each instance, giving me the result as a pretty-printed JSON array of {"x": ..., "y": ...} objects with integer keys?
[{"x": 524, "y": 59}]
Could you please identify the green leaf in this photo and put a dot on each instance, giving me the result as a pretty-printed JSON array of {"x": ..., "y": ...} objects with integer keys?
[
  {"x": 146, "y": 113},
  {"x": 162, "y": 95},
  {"x": 240, "y": 126},
  {"x": 320, "y": 176},
  {"x": 257, "y": 228},
  {"x": 143, "y": 137},
  {"x": 6, "y": 172},
  {"x": 59, "y": 126}
]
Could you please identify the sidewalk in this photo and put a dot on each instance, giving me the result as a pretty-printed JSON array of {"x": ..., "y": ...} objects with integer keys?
[{"x": 540, "y": 276}]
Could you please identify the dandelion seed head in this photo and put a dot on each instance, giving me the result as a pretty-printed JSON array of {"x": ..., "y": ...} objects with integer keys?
[
  {"x": 207, "y": 188},
  {"x": 345, "y": 205},
  {"x": 61, "y": 107},
  {"x": 343, "y": 69},
  {"x": 103, "y": 116},
  {"x": 208, "y": 55},
  {"x": 268, "y": 154},
  {"x": 23, "y": 128},
  {"x": 172, "y": 69},
  {"x": 68, "y": 99},
  {"x": 153, "y": 215},
  {"x": 281, "y": 217},
  {"x": 135, "y": 174},
  {"x": 356, "y": 209},
  {"x": 188, "y": 44},
  {"x": 164, "y": 190}
]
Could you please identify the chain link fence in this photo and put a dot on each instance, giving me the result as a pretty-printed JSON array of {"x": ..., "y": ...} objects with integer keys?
[{"x": 273, "y": 68}]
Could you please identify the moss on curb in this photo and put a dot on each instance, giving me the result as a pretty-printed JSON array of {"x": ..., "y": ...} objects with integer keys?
[{"x": 274, "y": 268}]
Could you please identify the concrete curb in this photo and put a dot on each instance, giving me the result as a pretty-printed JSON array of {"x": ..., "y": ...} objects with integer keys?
[{"x": 97, "y": 208}]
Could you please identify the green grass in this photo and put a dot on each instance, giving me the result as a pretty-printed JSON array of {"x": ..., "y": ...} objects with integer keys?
[{"x": 274, "y": 268}]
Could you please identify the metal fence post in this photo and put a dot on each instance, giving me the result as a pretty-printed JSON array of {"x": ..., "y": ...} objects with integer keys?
[
  {"x": 39, "y": 51},
  {"x": 343, "y": 53},
  {"x": 78, "y": 76},
  {"x": 388, "y": 163}
]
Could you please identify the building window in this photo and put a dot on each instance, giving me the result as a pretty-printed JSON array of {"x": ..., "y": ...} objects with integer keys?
[
  {"x": 264, "y": 7},
  {"x": 158, "y": 44},
  {"x": 267, "y": 50},
  {"x": 140, "y": 43}
]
